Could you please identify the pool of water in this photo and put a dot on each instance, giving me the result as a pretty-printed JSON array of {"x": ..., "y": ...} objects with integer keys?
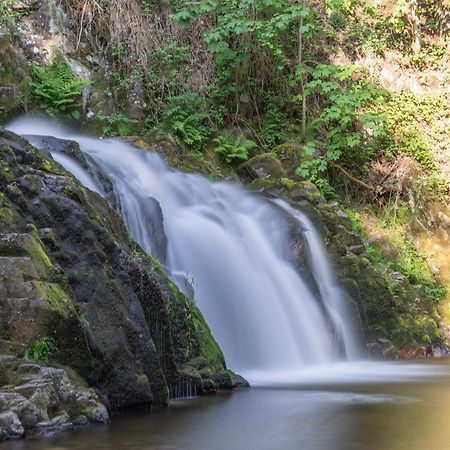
[{"x": 407, "y": 414}]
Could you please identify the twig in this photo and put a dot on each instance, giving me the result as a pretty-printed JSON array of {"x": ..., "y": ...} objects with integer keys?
[{"x": 351, "y": 177}]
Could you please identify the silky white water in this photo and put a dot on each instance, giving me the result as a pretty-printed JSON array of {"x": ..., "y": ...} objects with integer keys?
[{"x": 229, "y": 248}]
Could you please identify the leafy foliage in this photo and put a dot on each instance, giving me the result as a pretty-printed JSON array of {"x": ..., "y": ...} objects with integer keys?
[
  {"x": 252, "y": 43},
  {"x": 42, "y": 349},
  {"x": 118, "y": 124},
  {"x": 57, "y": 90},
  {"x": 346, "y": 128},
  {"x": 233, "y": 150},
  {"x": 185, "y": 120},
  {"x": 405, "y": 115},
  {"x": 272, "y": 130}
]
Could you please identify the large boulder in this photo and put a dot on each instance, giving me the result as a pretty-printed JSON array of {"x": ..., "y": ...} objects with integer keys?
[
  {"x": 70, "y": 272},
  {"x": 265, "y": 166}
]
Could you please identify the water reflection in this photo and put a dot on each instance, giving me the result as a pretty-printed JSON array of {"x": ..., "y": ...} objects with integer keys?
[{"x": 398, "y": 416}]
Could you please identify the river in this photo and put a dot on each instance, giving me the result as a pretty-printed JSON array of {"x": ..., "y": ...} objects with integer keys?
[{"x": 410, "y": 415}]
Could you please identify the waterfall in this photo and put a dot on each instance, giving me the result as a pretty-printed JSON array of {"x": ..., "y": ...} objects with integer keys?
[{"x": 229, "y": 249}]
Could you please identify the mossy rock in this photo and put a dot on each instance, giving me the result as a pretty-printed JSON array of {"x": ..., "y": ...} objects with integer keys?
[
  {"x": 112, "y": 312},
  {"x": 289, "y": 156},
  {"x": 265, "y": 166}
]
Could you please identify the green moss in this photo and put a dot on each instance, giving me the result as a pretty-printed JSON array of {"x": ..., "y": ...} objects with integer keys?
[
  {"x": 142, "y": 379},
  {"x": 36, "y": 251},
  {"x": 5, "y": 172},
  {"x": 19, "y": 245},
  {"x": 288, "y": 153},
  {"x": 59, "y": 301},
  {"x": 7, "y": 218},
  {"x": 287, "y": 183},
  {"x": 209, "y": 349}
]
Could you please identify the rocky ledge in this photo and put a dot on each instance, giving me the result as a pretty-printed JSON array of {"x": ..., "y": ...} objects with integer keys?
[{"x": 41, "y": 401}]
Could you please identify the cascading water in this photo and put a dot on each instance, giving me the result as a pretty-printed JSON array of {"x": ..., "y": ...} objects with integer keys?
[{"x": 229, "y": 249}]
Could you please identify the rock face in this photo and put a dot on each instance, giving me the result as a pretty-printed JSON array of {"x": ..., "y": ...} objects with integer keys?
[
  {"x": 43, "y": 400},
  {"x": 69, "y": 271}
]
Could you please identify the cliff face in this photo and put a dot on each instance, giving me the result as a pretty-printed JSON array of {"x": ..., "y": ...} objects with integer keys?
[{"x": 70, "y": 273}]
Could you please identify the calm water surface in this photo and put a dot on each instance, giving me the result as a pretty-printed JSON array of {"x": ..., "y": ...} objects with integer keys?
[{"x": 413, "y": 415}]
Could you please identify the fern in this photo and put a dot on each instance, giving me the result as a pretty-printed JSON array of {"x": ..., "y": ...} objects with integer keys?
[
  {"x": 184, "y": 119},
  {"x": 56, "y": 89},
  {"x": 231, "y": 151}
]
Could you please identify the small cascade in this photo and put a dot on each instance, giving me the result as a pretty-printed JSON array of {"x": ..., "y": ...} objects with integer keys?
[
  {"x": 229, "y": 249},
  {"x": 183, "y": 390}
]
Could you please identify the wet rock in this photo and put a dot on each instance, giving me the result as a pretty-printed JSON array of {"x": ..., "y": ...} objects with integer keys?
[
  {"x": 45, "y": 400},
  {"x": 51, "y": 427},
  {"x": 25, "y": 410},
  {"x": 10, "y": 426},
  {"x": 239, "y": 382},
  {"x": 112, "y": 312},
  {"x": 305, "y": 191}
]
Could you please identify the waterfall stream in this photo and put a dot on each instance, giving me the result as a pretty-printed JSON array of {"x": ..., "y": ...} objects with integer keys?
[{"x": 229, "y": 249}]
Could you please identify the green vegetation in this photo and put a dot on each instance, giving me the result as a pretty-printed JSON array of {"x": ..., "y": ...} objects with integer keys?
[
  {"x": 397, "y": 254},
  {"x": 57, "y": 90},
  {"x": 184, "y": 119},
  {"x": 118, "y": 124},
  {"x": 41, "y": 350},
  {"x": 233, "y": 150}
]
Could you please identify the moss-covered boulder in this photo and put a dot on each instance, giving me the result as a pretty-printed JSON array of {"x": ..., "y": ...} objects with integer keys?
[
  {"x": 69, "y": 271},
  {"x": 265, "y": 166}
]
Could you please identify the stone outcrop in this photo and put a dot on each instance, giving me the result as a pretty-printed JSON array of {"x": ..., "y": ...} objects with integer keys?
[{"x": 40, "y": 400}]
